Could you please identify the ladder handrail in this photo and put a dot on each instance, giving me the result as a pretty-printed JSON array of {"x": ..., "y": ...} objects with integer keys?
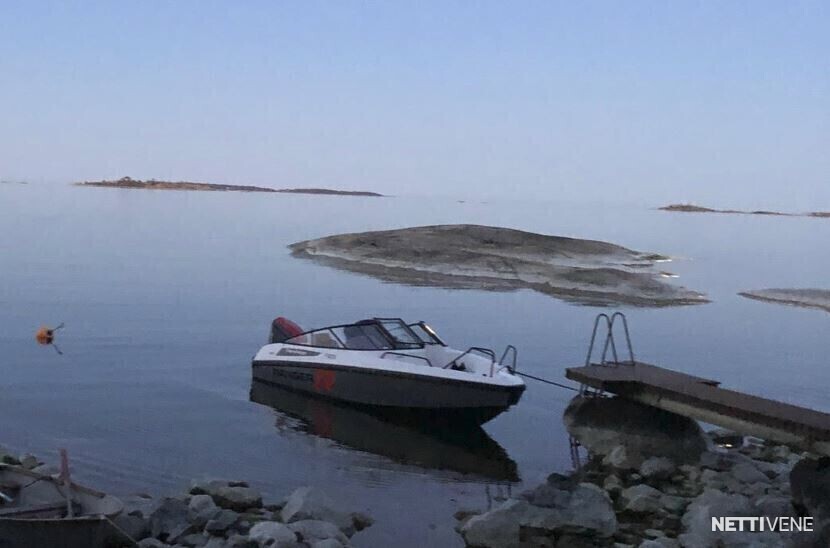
[{"x": 610, "y": 342}]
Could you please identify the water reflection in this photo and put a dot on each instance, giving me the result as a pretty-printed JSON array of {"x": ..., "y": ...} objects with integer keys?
[{"x": 469, "y": 450}]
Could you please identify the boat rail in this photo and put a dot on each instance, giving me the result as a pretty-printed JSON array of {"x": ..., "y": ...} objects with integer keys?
[{"x": 514, "y": 354}]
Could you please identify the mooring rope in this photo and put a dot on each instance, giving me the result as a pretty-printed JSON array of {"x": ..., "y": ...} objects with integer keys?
[{"x": 546, "y": 381}]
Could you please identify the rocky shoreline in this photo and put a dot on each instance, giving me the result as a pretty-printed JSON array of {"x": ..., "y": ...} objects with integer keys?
[
  {"x": 228, "y": 514},
  {"x": 651, "y": 479},
  {"x": 622, "y": 498}
]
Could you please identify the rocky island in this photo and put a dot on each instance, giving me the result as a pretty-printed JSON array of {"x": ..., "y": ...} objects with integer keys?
[
  {"x": 152, "y": 184},
  {"x": 502, "y": 259},
  {"x": 808, "y": 298},
  {"x": 691, "y": 208}
]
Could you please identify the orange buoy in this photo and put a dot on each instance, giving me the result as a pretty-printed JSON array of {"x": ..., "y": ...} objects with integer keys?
[{"x": 46, "y": 335}]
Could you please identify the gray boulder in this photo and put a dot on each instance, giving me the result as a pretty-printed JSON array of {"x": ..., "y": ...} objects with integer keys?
[
  {"x": 193, "y": 540},
  {"x": 152, "y": 543},
  {"x": 273, "y": 535},
  {"x": 601, "y": 424},
  {"x": 201, "y": 509},
  {"x": 233, "y": 495},
  {"x": 170, "y": 520},
  {"x": 623, "y": 458},
  {"x": 327, "y": 543},
  {"x": 657, "y": 468},
  {"x": 221, "y": 522},
  {"x": 499, "y": 527},
  {"x": 697, "y": 521},
  {"x": 309, "y": 503},
  {"x": 641, "y": 499},
  {"x": 135, "y": 525},
  {"x": 584, "y": 511},
  {"x": 747, "y": 472},
  {"x": 810, "y": 484},
  {"x": 311, "y": 531}
]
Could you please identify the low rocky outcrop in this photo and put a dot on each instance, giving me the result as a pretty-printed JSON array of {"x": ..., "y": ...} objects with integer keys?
[
  {"x": 502, "y": 259},
  {"x": 691, "y": 208},
  {"x": 808, "y": 298},
  {"x": 152, "y": 184}
]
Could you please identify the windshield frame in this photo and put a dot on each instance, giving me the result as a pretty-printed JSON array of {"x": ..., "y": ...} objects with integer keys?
[
  {"x": 415, "y": 342},
  {"x": 392, "y": 342}
]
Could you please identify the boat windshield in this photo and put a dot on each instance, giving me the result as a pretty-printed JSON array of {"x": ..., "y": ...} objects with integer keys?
[
  {"x": 377, "y": 334},
  {"x": 400, "y": 332},
  {"x": 425, "y": 333}
]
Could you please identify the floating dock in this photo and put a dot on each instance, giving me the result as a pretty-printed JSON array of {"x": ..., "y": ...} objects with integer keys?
[
  {"x": 704, "y": 400},
  {"x": 698, "y": 398}
]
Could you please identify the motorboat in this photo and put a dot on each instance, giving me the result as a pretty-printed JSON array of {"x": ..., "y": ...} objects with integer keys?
[
  {"x": 42, "y": 510},
  {"x": 386, "y": 362}
]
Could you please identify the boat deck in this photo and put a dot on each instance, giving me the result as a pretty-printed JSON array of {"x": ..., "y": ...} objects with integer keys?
[{"x": 703, "y": 399}]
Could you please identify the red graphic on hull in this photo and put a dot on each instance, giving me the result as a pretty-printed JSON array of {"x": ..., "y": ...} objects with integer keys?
[{"x": 324, "y": 380}]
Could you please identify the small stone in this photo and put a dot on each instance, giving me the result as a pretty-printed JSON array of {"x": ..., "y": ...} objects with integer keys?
[
  {"x": 170, "y": 520},
  {"x": 273, "y": 534},
  {"x": 136, "y": 526},
  {"x": 193, "y": 540},
  {"x": 316, "y": 530},
  {"x": 327, "y": 543},
  {"x": 653, "y": 533},
  {"x": 746, "y": 472},
  {"x": 674, "y": 504},
  {"x": 151, "y": 543},
  {"x": 641, "y": 499},
  {"x": 201, "y": 509},
  {"x": 361, "y": 520},
  {"x": 622, "y": 458},
  {"x": 657, "y": 468},
  {"x": 613, "y": 484},
  {"x": 221, "y": 522},
  {"x": 311, "y": 503}
]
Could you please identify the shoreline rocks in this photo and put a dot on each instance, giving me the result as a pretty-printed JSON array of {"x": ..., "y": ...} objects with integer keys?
[
  {"x": 655, "y": 501},
  {"x": 218, "y": 513}
]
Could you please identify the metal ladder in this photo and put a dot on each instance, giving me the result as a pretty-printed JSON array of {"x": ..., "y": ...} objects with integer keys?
[{"x": 609, "y": 344}]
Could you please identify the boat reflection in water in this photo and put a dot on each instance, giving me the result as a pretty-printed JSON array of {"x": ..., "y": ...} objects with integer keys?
[{"x": 468, "y": 450}]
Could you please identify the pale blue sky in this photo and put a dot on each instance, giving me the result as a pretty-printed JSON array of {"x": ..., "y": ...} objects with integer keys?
[{"x": 723, "y": 103}]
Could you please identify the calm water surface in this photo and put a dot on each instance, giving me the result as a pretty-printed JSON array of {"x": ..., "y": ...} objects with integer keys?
[{"x": 167, "y": 295}]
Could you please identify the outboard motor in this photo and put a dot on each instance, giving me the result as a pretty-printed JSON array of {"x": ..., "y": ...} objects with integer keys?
[{"x": 283, "y": 329}]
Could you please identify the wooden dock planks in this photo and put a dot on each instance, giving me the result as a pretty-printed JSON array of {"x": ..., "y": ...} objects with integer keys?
[{"x": 704, "y": 399}]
